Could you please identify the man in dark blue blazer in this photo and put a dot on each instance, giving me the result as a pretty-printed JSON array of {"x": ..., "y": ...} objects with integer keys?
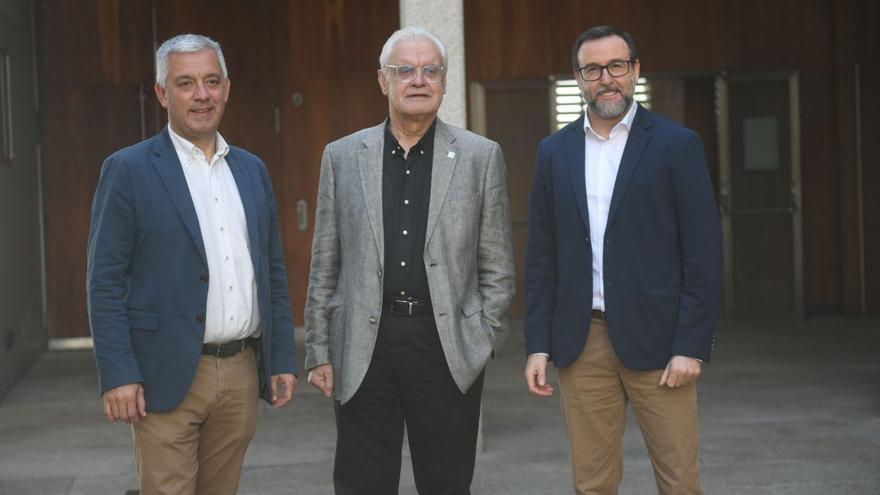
[
  {"x": 187, "y": 287},
  {"x": 623, "y": 273}
]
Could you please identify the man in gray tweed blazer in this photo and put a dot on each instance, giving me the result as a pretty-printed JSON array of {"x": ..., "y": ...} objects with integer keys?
[{"x": 411, "y": 278}]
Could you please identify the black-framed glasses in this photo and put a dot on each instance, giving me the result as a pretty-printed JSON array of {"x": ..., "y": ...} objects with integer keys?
[
  {"x": 407, "y": 73},
  {"x": 615, "y": 68}
]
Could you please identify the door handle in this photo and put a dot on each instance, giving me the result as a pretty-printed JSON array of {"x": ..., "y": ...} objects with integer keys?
[{"x": 302, "y": 215}]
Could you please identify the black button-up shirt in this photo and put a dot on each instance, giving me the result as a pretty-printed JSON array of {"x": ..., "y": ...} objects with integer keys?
[{"x": 406, "y": 192}]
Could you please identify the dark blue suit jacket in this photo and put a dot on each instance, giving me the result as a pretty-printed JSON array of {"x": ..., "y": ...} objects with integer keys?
[
  {"x": 147, "y": 272},
  {"x": 662, "y": 253}
]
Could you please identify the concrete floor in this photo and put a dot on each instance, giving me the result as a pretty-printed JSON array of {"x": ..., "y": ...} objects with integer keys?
[{"x": 786, "y": 408}]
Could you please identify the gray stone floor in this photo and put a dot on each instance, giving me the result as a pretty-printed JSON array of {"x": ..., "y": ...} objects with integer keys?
[{"x": 786, "y": 408}]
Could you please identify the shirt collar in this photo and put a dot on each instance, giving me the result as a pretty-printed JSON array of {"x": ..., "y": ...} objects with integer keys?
[
  {"x": 186, "y": 148},
  {"x": 425, "y": 144},
  {"x": 625, "y": 122}
]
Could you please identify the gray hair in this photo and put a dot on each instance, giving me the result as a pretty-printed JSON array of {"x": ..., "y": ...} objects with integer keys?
[
  {"x": 185, "y": 43},
  {"x": 407, "y": 34}
]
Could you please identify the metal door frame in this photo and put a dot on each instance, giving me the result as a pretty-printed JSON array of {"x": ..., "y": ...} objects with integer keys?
[{"x": 726, "y": 195}]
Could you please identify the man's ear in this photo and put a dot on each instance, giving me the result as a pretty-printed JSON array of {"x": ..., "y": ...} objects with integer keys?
[
  {"x": 383, "y": 81},
  {"x": 160, "y": 95}
]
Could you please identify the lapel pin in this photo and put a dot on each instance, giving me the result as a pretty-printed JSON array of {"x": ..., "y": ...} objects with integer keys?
[{"x": 451, "y": 154}]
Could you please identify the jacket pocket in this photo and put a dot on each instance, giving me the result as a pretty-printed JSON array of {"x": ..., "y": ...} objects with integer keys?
[
  {"x": 473, "y": 304},
  {"x": 143, "y": 320}
]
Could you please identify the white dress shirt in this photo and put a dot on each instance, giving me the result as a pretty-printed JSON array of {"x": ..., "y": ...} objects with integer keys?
[
  {"x": 601, "y": 162},
  {"x": 232, "y": 311}
]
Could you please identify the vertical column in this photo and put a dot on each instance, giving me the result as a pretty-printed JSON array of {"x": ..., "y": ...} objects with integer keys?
[{"x": 444, "y": 19}]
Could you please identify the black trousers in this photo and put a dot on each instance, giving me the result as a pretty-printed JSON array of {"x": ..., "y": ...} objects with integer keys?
[{"x": 408, "y": 382}]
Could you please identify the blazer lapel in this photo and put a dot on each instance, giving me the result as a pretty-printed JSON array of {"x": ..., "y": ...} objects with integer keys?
[
  {"x": 245, "y": 191},
  {"x": 168, "y": 166},
  {"x": 574, "y": 145},
  {"x": 639, "y": 136},
  {"x": 370, "y": 167},
  {"x": 443, "y": 165}
]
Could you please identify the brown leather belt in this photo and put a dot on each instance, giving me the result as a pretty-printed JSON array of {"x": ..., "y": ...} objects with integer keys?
[
  {"x": 598, "y": 314},
  {"x": 227, "y": 349},
  {"x": 409, "y": 307}
]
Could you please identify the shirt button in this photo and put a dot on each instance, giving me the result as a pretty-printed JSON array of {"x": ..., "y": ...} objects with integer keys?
[
  {"x": 405, "y": 232},
  {"x": 222, "y": 229},
  {"x": 403, "y": 293},
  {"x": 373, "y": 320},
  {"x": 403, "y": 263},
  {"x": 421, "y": 152},
  {"x": 406, "y": 201},
  {"x": 407, "y": 172},
  {"x": 379, "y": 272}
]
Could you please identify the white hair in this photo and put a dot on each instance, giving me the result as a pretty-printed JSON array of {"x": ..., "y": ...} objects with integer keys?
[
  {"x": 406, "y": 34},
  {"x": 185, "y": 43}
]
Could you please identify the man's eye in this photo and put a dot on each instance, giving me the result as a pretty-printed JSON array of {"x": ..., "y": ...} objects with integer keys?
[
  {"x": 431, "y": 69},
  {"x": 616, "y": 65},
  {"x": 405, "y": 70},
  {"x": 592, "y": 70},
  {"x": 184, "y": 84},
  {"x": 213, "y": 82}
]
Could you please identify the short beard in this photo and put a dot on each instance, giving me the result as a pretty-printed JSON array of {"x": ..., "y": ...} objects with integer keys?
[{"x": 610, "y": 110}]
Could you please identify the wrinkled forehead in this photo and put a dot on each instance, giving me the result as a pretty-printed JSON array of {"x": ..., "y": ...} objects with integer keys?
[
  {"x": 416, "y": 52},
  {"x": 202, "y": 62}
]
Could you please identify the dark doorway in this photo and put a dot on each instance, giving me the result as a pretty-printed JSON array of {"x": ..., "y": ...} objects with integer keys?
[{"x": 760, "y": 194}]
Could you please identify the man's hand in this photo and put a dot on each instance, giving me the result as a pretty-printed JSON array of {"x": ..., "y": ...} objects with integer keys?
[
  {"x": 283, "y": 386},
  {"x": 680, "y": 371},
  {"x": 321, "y": 377},
  {"x": 125, "y": 403},
  {"x": 536, "y": 376}
]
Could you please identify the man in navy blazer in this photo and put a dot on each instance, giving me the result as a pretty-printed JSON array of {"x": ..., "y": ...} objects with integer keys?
[
  {"x": 187, "y": 287},
  {"x": 623, "y": 273}
]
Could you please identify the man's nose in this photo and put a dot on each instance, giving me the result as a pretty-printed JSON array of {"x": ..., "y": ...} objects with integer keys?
[
  {"x": 419, "y": 80},
  {"x": 201, "y": 91}
]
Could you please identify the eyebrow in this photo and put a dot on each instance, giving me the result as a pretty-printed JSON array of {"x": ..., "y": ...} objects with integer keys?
[{"x": 187, "y": 77}]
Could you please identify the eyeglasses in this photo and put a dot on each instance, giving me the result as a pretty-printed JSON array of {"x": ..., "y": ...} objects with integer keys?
[
  {"x": 615, "y": 68},
  {"x": 408, "y": 73}
]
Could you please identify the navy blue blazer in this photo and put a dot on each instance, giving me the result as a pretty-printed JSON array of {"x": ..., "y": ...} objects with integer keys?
[
  {"x": 662, "y": 253},
  {"x": 147, "y": 272}
]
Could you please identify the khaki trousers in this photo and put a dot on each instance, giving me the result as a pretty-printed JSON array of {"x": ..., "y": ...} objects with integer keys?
[
  {"x": 198, "y": 447},
  {"x": 595, "y": 390}
]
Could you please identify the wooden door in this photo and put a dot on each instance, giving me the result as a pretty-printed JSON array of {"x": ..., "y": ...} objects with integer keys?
[
  {"x": 515, "y": 114},
  {"x": 760, "y": 194},
  {"x": 303, "y": 73}
]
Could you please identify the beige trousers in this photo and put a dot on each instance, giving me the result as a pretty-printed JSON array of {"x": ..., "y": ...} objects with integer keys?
[
  {"x": 198, "y": 447},
  {"x": 595, "y": 390}
]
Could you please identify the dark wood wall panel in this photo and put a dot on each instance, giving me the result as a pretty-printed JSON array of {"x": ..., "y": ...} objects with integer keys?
[
  {"x": 328, "y": 54},
  {"x": 527, "y": 39},
  {"x": 93, "y": 55},
  {"x": 96, "y": 72}
]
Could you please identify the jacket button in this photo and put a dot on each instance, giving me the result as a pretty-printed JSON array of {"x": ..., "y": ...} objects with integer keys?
[
  {"x": 373, "y": 320},
  {"x": 587, "y": 282},
  {"x": 203, "y": 278},
  {"x": 588, "y": 240},
  {"x": 200, "y": 317}
]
